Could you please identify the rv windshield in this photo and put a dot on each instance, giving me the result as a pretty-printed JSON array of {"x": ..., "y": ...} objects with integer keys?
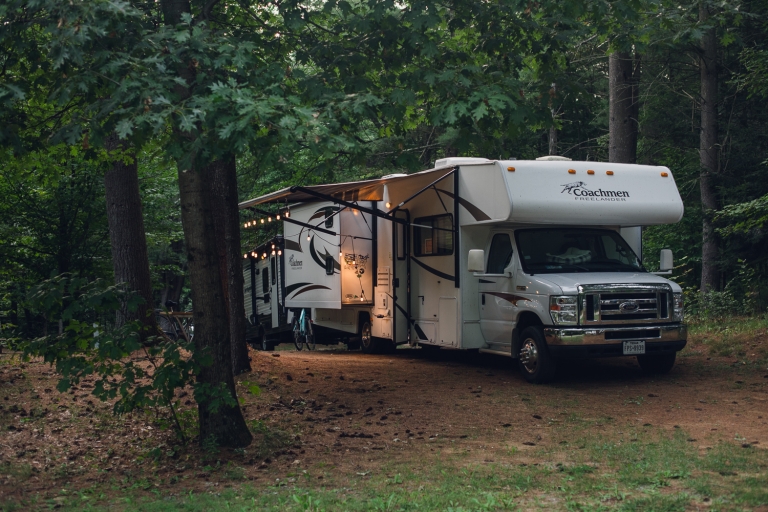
[{"x": 557, "y": 250}]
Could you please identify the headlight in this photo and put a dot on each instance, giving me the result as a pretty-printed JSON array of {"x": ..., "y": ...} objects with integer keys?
[
  {"x": 564, "y": 310},
  {"x": 677, "y": 307}
]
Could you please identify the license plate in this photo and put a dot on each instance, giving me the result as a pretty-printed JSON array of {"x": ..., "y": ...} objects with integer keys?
[{"x": 634, "y": 347}]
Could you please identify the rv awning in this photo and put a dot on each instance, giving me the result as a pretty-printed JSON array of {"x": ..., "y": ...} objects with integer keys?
[{"x": 367, "y": 190}]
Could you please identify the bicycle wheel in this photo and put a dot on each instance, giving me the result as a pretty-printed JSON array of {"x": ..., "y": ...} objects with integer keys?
[
  {"x": 298, "y": 336},
  {"x": 309, "y": 335}
]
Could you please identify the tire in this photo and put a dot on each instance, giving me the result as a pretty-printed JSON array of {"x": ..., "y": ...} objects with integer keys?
[
  {"x": 657, "y": 364},
  {"x": 266, "y": 345},
  {"x": 298, "y": 338},
  {"x": 533, "y": 358},
  {"x": 368, "y": 343},
  {"x": 310, "y": 340}
]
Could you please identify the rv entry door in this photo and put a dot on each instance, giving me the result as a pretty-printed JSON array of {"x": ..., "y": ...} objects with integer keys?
[{"x": 498, "y": 302}]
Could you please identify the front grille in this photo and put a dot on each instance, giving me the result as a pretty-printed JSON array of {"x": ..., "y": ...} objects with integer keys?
[{"x": 614, "y": 305}]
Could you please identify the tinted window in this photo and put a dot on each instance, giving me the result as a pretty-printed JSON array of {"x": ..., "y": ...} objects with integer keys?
[
  {"x": 500, "y": 254},
  {"x": 433, "y": 236},
  {"x": 265, "y": 281}
]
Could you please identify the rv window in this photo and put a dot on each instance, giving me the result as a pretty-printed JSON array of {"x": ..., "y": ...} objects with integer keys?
[
  {"x": 433, "y": 236},
  {"x": 500, "y": 254},
  {"x": 265, "y": 281},
  {"x": 274, "y": 274},
  {"x": 329, "y": 265}
]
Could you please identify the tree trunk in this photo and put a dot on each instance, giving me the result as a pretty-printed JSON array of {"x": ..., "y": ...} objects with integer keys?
[
  {"x": 127, "y": 236},
  {"x": 227, "y": 219},
  {"x": 225, "y": 424},
  {"x": 623, "y": 80},
  {"x": 709, "y": 153}
]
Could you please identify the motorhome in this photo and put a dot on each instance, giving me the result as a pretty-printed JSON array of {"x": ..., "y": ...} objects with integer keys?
[{"x": 537, "y": 260}]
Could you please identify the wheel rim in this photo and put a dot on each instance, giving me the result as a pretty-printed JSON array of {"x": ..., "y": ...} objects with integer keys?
[
  {"x": 529, "y": 355},
  {"x": 365, "y": 335}
]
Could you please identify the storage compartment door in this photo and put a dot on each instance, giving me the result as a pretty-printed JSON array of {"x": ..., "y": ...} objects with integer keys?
[{"x": 448, "y": 321}]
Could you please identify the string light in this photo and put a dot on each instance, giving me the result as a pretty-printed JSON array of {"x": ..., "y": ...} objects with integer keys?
[
  {"x": 262, "y": 221},
  {"x": 245, "y": 225},
  {"x": 245, "y": 256},
  {"x": 388, "y": 205},
  {"x": 264, "y": 256},
  {"x": 279, "y": 253},
  {"x": 308, "y": 237},
  {"x": 287, "y": 213},
  {"x": 269, "y": 219},
  {"x": 278, "y": 217}
]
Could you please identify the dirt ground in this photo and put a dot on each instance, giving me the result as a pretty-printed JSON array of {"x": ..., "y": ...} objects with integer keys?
[{"x": 355, "y": 413}]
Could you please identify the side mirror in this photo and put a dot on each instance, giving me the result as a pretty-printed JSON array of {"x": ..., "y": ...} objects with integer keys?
[
  {"x": 476, "y": 260},
  {"x": 665, "y": 260}
]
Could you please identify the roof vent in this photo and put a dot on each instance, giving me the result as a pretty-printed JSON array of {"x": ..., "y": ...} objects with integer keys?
[
  {"x": 447, "y": 162},
  {"x": 553, "y": 158}
]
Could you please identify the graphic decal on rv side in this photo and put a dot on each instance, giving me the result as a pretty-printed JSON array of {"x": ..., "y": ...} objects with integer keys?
[
  {"x": 579, "y": 190},
  {"x": 473, "y": 210},
  {"x": 290, "y": 245},
  {"x": 433, "y": 270},
  {"x": 320, "y": 258},
  {"x": 289, "y": 289},
  {"x": 309, "y": 288},
  {"x": 511, "y": 298}
]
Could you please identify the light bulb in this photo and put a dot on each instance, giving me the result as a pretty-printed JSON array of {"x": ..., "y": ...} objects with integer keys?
[
  {"x": 269, "y": 219},
  {"x": 288, "y": 213},
  {"x": 273, "y": 253},
  {"x": 388, "y": 205},
  {"x": 265, "y": 255},
  {"x": 245, "y": 256},
  {"x": 273, "y": 246},
  {"x": 245, "y": 225},
  {"x": 279, "y": 253},
  {"x": 262, "y": 221},
  {"x": 308, "y": 238},
  {"x": 278, "y": 217}
]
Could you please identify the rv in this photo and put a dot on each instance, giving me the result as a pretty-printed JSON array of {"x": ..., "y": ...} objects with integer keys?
[{"x": 536, "y": 260}]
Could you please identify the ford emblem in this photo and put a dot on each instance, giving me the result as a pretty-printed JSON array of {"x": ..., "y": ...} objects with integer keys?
[{"x": 629, "y": 307}]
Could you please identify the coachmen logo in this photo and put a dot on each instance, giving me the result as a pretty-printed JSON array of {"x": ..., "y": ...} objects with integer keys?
[
  {"x": 293, "y": 262},
  {"x": 579, "y": 190},
  {"x": 629, "y": 307}
]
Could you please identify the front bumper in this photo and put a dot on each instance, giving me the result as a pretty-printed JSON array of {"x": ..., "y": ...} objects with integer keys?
[{"x": 608, "y": 341}]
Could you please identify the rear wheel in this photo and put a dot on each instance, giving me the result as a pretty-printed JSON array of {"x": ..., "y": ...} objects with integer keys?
[
  {"x": 535, "y": 363},
  {"x": 367, "y": 342},
  {"x": 657, "y": 364},
  {"x": 266, "y": 345}
]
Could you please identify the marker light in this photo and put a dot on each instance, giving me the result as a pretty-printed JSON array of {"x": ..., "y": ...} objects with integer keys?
[
  {"x": 571, "y": 171},
  {"x": 664, "y": 174},
  {"x": 511, "y": 169},
  {"x": 590, "y": 172},
  {"x": 609, "y": 173}
]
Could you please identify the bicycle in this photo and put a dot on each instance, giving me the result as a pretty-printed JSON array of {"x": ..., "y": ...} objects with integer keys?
[{"x": 302, "y": 331}]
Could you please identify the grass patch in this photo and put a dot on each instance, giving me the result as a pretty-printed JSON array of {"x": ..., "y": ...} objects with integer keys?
[
  {"x": 635, "y": 471},
  {"x": 732, "y": 336}
]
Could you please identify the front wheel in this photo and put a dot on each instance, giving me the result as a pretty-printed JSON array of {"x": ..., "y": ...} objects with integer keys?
[
  {"x": 535, "y": 363},
  {"x": 657, "y": 364}
]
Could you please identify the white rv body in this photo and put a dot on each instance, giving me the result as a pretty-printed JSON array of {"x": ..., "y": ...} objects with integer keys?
[{"x": 419, "y": 229}]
